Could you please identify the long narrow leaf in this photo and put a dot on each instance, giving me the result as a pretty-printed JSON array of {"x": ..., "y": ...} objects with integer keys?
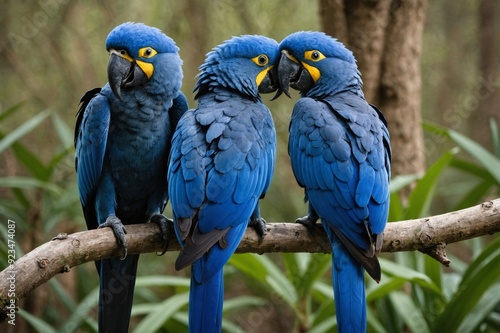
[
  {"x": 37, "y": 323},
  {"x": 29, "y": 160},
  {"x": 64, "y": 132},
  {"x": 22, "y": 130},
  {"x": 487, "y": 159},
  {"x": 482, "y": 273},
  {"x": 29, "y": 183},
  {"x": 481, "y": 311},
  {"x": 495, "y": 137},
  {"x": 421, "y": 197},
  {"x": 153, "y": 321},
  {"x": 410, "y": 275},
  {"x": 410, "y": 313},
  {"x": 10, "y": 111},
  {"x": 81, "y": 312}
]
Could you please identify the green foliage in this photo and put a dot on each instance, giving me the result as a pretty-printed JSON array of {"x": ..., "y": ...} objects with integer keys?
[{"x": 415, "y": 293}]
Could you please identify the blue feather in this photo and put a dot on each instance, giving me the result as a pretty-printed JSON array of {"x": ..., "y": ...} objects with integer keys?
[
  {"x": 122, "y": 146},
  {"x": 226, "y": 152},
  {"x": 340, "y": 153}
]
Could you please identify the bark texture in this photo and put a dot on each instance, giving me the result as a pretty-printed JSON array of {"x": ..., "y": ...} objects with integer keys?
[
  {"x": 386, "y": 39},
  {"x": 429, "y": 235}
]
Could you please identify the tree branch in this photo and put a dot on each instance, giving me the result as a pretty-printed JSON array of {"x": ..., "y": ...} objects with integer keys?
[{"x": 429, "y": 235}]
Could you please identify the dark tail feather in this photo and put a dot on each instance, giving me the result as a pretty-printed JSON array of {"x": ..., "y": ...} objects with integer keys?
[
  {"x": 349, "y": 290},
  {"x": 367, "y": 259},
  {"x": 205, "y": 304},
  {"x": 117, "y": 283}
]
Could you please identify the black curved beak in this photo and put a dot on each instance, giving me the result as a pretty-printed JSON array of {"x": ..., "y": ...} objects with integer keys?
[
  {"x": 123, "y": 73},
  {"x": 292, "y": 74},
  {"x": 270, "y": 82}
]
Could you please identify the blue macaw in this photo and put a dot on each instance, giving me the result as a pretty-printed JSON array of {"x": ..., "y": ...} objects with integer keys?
[
  {"x": 340, "y": 153},
  {"x": 221, "y": 163},
  {"x": 123, "y": 137}
]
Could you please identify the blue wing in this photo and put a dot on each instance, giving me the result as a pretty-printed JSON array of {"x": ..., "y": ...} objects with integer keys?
[
  {"x": 91, "y": 133},
  {"x": 222, "y": 159},
  {"x": 339, "y": 149}
]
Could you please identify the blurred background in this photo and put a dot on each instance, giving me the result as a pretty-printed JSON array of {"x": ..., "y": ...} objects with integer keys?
[{"x": 52, "y": 52}]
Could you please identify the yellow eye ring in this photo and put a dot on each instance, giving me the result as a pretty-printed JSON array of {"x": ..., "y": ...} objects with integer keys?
[
  {"x": 314, "y": 55},
  {"x": 147, "y": 52},
  {"x": 261, "y": 60}
]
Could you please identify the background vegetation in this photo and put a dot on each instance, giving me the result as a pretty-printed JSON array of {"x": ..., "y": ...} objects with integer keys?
[{"x": 53, "y": 51}]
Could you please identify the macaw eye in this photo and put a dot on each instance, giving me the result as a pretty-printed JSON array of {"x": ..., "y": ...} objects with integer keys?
[
  {"x": 147, "y": 52},
  {"x": 261, "y": 60},
  {"x": 314, "y": 55}
]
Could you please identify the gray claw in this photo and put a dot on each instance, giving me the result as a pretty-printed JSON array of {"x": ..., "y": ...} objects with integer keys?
[
  {"x": 119, "y": 230},
  {"x": 163, "y": 223},
  {"x": 259, "y": 225}
]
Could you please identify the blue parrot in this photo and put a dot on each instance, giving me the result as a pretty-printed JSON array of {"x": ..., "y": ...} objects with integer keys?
[
  {"x": 340, "y": 152},
  {"x": 123, "y": 137},
  {"x": 221, "y": 163}
]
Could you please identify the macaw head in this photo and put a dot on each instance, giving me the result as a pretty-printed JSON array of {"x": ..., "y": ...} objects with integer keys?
[
  {"x": 247, "y": 64},
  {"x": 142, "y": 56},
  {"x": 317, "y": 65}
]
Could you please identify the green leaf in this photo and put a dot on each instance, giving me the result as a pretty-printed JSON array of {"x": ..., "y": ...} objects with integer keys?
[
  {"x": 161, "y": 281},
  {"x": 384, "y": 288},
  {"x": 249, "y": 265},
  {"x": 396, "y": 270},
  {"x": 29, "y": 183},
  {"x": 488, "y": 160},
  {"x": 64, "y": 132},
  {"x": 163, "y": 312},
  {"x": 325, "y": 326},
  {"x": 81, "y": 312},
  {"x": 471, "y": 168},
  {"x": 262, "y": 269},
  {"x": 396, "y": 210},
  {"x": 401, "y": 181},
  {"x": 373, "y": 324},
  {"x": 10, "y": 111},
  {"x": 22, "y": 130},
  {"x": 316, "y": 268},
  {"x": 481, "y": 311},
  {"x": 421, "y": 197},
  {"x": 411, "y": 314},
  {"x": 483, "y": 272},
  {"x": 495, "y": 137},
  {"x": 236, "y": 303},
  {"x": 32, "y": 163},
  {"x": 37, "y": 323},
  {"x": 473, "y": 196}
]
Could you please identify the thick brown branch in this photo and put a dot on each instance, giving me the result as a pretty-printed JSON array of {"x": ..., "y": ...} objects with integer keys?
[{"x": 428, "y": 235}]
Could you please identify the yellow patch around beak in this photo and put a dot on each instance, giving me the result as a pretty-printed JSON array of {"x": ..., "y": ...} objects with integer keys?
[
  {"x": 313, "y": 71},
  {"x": 262, "y": 74},
  {"x": 146, "y": 67}
]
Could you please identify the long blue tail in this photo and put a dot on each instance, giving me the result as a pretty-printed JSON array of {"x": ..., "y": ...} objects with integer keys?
[
  {"x": 349, "y": 289},
  {"x": 117, "y": 283},
  {"x": 205, "y": 302}
]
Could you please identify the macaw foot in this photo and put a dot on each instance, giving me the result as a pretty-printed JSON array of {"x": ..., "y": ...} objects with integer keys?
[
  {"x": 308, "y": 221},
  {"x": 163, "y": 223},
  {"x": 259, "y": 225},
  {"x": 119, "y": 230}
]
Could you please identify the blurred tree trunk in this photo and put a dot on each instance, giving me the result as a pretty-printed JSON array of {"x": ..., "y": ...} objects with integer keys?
[
  {"x": 487, "y": 93},
  {"x": 386, "y": 38}
]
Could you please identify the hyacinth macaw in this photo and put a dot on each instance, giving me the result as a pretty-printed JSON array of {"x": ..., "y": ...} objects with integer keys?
[
  {"x": 123, "y": 137},
  {"x": 221, "y": 163},
  {"x": 340, "y": 154}
]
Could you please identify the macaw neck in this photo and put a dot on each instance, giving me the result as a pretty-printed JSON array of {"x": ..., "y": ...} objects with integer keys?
[
  {"x": 216, "y": 91},
  {"x": 322, "y": 91},
  {"x": 337, "y": 76}
]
